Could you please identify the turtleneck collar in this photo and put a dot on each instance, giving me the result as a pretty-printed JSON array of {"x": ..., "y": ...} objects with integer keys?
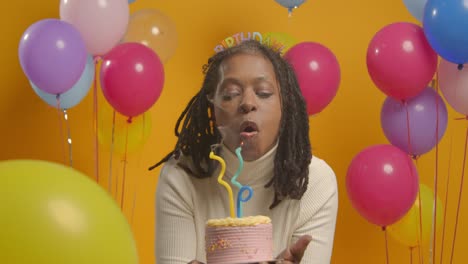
[{"x": 257, "y": 172}]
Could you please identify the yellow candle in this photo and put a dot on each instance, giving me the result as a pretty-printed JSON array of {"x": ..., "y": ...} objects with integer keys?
[{"x": 222, "y": 182}]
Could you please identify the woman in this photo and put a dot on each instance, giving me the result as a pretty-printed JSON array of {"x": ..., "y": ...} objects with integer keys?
[{"x": 250, "y": 98}]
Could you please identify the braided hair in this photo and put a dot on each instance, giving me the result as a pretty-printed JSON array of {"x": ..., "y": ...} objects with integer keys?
[{"x": 196, "y": 127}]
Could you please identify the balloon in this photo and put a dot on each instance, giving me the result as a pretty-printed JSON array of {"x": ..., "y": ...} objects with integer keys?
[
  {"x": 154, "y": 29},
  {"x": 101, "y": 23},
  {"x": 382, "y": 183},
  {"x": 407, "y": 230},
  {"x": 416, "y": 8},
  {"x": 318, "y": 73},
  {"x": 281, "y": 39},
  {"x": 400, "y": 61},
  {"x": 52, "y": 55},
  {"x": 446, "y": 27},
  {"x": 454, "y": 86},
  {"x": 290, "y": 4},
  {"x": 427, "y": 117},
  {"x": 132, "y": 78},
  {"x": 73, "y": 96},
  {"x": 49, "y": 211},
  {"x": 139, "y": 130}
]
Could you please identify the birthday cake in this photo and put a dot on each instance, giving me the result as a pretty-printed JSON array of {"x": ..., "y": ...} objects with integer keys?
[{"x": 239, "y": 240}]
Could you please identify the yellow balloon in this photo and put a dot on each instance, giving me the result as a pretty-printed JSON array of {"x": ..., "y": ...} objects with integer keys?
[
  {"x": 154, "y": 29},
  {"x": 407, "y": 230},
  {"x": 139, "y": 130},
  {"x": 282, "y": 39},
  {"x": 53, "y": 214}
]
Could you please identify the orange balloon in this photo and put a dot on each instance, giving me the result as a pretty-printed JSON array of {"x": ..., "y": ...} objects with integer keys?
[{"x": 154, "y": 29}]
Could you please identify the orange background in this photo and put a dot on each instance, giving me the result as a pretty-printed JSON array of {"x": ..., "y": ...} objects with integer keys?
[{"x": 30, "y": 128}]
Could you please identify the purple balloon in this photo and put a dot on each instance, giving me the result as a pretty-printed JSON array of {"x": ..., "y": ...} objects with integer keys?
[
  {"x": 53, "y": 55},
  {"x": 426, "y": 112}
]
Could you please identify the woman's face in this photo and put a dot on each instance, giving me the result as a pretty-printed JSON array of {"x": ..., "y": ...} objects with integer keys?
[{"x": 247, "y": 104}]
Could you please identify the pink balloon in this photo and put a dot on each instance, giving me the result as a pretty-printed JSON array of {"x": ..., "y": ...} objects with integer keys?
[
  {"x": 382, "y": 184},
  {"x": 318, "y": 73},
  {"x": 454, "y": 85},
  {"x": 101, "y": 23},
  {"x": 400, "y": 61},
  {"x": 132, "y": 78}
]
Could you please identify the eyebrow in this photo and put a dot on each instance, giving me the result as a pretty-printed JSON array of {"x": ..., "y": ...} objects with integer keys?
[
  {"x": 231, "y": 80},
  {"x": 238, "y": 82}
]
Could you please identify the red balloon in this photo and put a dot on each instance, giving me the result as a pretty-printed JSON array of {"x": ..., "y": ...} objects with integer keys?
[
  {"x": 318, "y": 73},
  {"x": 382, "y": 184},
  {"x": 400, "y": 61},
  {"x": 132, "y": 78}
]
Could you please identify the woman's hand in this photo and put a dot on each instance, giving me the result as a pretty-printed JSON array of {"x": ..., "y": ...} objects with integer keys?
[{"x": 295, "y": 253}]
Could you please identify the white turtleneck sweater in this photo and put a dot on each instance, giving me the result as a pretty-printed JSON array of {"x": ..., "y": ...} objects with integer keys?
[{"x": 184, "y": 204}]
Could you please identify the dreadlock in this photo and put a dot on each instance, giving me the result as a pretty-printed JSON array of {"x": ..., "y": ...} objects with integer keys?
[{"x": 198, "y": 131}]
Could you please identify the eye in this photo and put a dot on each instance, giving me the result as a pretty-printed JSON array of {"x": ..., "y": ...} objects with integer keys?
[
  {"x": 264, "y": 94},
  {"x": 229, "y": 95}
]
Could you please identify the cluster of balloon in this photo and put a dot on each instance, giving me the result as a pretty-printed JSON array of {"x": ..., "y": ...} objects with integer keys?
[
  {"x": 402, "y": 61},
  {"x": 60, "y": 57}
]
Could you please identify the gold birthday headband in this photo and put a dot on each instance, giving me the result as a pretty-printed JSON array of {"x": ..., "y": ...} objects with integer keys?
[{"x": 266, "y": 39}]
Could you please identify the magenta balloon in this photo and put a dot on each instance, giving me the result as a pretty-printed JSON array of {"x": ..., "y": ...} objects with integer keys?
[
  {"x": 382, "y": 184},
  {"x": 318, "y": 73},
  {"x": 132, "y": 78},
  {"x": 400, "y": 61},
  {"x": 52, "y": 55}
]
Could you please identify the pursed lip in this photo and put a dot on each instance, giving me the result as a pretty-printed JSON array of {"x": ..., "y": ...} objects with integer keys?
[
  {"x": 248, "y": 129},
  {"x": 248, "y": 125}
]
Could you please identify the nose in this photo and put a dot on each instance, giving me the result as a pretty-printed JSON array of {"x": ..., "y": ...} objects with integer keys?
[{"x": 248, "y": 103}]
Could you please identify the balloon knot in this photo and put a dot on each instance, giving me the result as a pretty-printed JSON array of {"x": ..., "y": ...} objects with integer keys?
[
  {"x": 460, "y": 67},
  {"x": 129, "y": 120},
  {"x": 97, "y": 58}
]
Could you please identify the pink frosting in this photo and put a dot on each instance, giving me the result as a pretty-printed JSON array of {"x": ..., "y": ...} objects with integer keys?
[{"x": 239, "y": 244}]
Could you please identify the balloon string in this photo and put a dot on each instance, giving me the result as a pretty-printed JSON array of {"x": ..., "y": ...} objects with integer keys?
[
  {"x": 144, "y": 128},
  {"x": 95, "y": 113},
  {"x": 116, "y": 187},
  {"x": 419, "y": 254},
  {"x": 436, "y": 176},
  {"x": 416, "y": 159},
  {"x": 446, "y": 197},
  {"x": 459, "y": 197},
  {"x": 59, "y": 115},
  {"x": 69, "y": 140},
  {"x": 386, "y": 245},
  {"x": 410, "y": 151},
  {"x": 109, "y": 186},
  {"x": 133, "y": 206},
  {"x": 420, "y": 227},
  {"x": 411, "y": 255},
  {"x": 124, "y": 169}
]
